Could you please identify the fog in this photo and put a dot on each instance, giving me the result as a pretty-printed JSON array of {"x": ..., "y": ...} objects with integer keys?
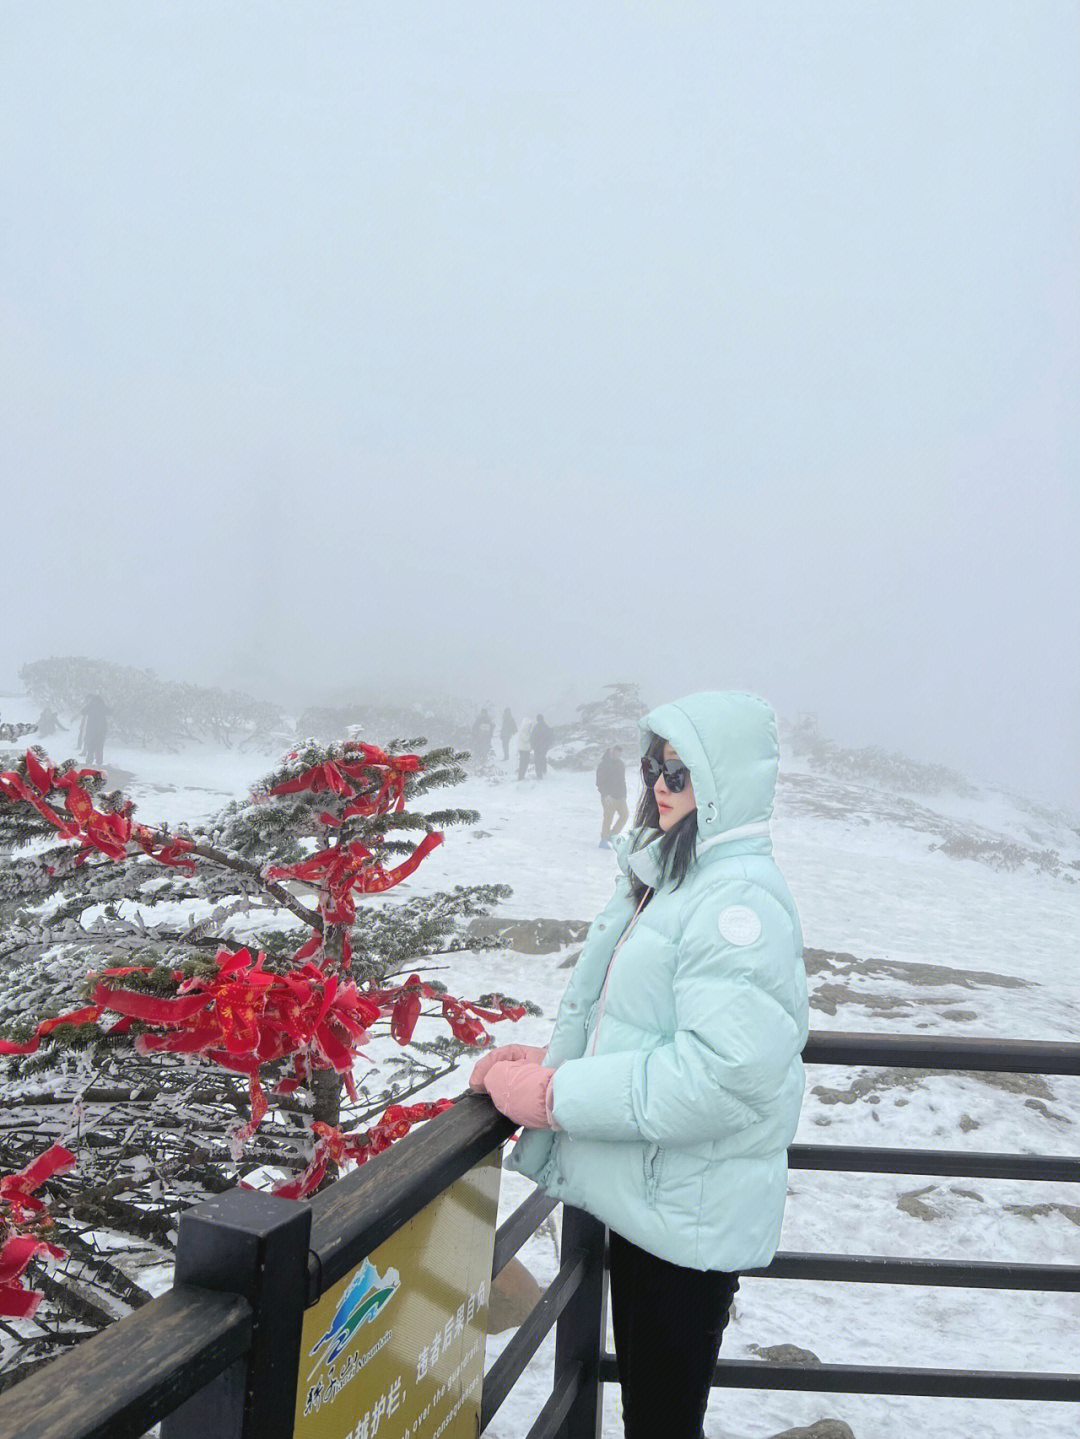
[{"x": 514, "y": 350}]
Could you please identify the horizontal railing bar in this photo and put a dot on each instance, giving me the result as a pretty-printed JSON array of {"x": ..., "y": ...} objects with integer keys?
[
  {"x": 933, "y": 1383},
  {"x": 874, "y": 1159},
  {"x": 121, "y": 1381},
  {"x": 877, "y": 1269},
  {"x": 867, "y": 1379},
  {"x": 510, "y": 1365},
  {"x": 925, "y": 1051},
  {"x": 550, "y": 1419},
  {"x": 352, "y": 1217},
  {"x": 520, "y": 1226}
]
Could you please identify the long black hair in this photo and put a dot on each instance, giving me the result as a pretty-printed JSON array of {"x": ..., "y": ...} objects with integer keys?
[{"x": 677, "y": 847}]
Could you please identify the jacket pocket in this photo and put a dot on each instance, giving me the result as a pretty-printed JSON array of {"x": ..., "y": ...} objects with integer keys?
[{"x": 652, "y": 1165}]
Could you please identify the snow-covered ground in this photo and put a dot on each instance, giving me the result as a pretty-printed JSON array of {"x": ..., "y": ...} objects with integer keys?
[{"x": 935, "y": 944}]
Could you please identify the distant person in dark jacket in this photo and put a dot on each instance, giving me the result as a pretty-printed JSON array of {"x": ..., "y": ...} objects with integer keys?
[
  {"x": 507, "y": 732},
  {"x": 49, "y": 723},
  {"x": 482, "y": 731},
  {"x": 542, "y": 735},
  {"x": 611, "y": 782},
  {"x": 93, "y": 729}
]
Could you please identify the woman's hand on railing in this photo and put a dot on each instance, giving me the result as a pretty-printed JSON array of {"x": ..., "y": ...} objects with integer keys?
[
  {"x": 512, "y": 1053},
  {"x": 522, "y": 1091}
]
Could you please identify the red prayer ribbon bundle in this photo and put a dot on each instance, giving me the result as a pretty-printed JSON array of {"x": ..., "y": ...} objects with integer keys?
[
  {"x": 241, "y": 1018},
  {"x": 42, "y": 779},
  {"x": 17, "y": 1190},
  {"x": 15, "y": 1254},
  {"x": 385, "y": 790},
  {"x": 109, "y": 834},
  {"x": 18, "y": 1205},
  {"x": 245, "y": 1017}
]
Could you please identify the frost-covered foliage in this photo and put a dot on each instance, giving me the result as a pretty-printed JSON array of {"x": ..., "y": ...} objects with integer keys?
[
  {"x": 9, "y": 733},
  {"x": 1007, "y": 855},
  {"x": 155, "y": 1132},
  {"x": 597, "y": 725},
  {"x": 152, "y": 713},
  {"x": 444, "y": 718},
  {"x": 872, "y": 765}
]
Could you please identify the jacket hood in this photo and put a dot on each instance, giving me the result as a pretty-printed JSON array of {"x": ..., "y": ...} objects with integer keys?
[{"x": 729, "y": 743}]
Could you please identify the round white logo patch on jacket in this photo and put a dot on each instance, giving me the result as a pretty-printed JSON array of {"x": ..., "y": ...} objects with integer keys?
[{"x": 739, "y": 924}]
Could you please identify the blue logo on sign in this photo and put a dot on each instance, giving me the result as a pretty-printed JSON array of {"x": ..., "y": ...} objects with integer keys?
[{"x": 366, "y": 1296}]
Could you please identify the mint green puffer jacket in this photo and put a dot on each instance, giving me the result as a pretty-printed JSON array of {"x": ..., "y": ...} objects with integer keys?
[{"x": 677, "y": 1102}]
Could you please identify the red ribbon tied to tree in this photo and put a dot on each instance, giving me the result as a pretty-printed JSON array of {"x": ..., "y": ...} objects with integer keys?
[
  {"x": 18, "y": 1205},
  {"x": 41, "y": 780},
  {"x": 383, "y": 792},
  {"x": 404, "y": 1002},
  {"x": 333, "y": 1146},
  {"x": 108, "y": 833},
  {"x": 15, "y": 1254},
  {"x": 244, "y": 1017},
  {"x": 17, "y": 1190},
  {"x": 46, "y": 1027},
  {"x": 343, "y": 868}
]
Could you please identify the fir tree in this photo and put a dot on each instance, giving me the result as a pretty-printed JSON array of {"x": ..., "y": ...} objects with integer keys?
[
  {"x": 154, "y": 1129},
  {"x": 611, "y": 720}
]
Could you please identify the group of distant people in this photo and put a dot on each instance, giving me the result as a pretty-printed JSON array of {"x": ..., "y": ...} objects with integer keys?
[
  {"x": 534, "y": 737},
  {"x": 93, "y": 728}
]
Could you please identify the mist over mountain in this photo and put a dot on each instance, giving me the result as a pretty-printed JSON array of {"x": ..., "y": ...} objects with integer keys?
[{"x": 513, "y": 351}]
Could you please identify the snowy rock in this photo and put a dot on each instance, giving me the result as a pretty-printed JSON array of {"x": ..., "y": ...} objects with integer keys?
[
  {"x": 822, "y": 1429},
  {"x": 784, "y": 1354},
  {"x": 514, "y": 1295},
  {"x": 530, "y": 936}
]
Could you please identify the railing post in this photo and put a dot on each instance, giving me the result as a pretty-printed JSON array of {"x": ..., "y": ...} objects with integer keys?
[
  {"x": 253, "y": 1244},
  {"x": 580, "y": 1331}
]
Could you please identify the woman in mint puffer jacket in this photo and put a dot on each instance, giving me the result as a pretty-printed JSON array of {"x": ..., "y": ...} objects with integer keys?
[{"x": 670, "y": 1091}]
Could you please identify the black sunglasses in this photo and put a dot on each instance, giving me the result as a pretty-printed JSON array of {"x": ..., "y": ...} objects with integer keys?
[{"x": 675, "y": 775}]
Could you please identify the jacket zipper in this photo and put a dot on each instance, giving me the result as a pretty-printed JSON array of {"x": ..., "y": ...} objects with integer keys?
[
  {"x": 653, "y": 1163},
  {"x": 607, "y": 973}
]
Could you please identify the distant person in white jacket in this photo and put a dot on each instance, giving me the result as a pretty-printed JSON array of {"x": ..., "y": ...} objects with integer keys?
[{"x": 524, "y": 746}]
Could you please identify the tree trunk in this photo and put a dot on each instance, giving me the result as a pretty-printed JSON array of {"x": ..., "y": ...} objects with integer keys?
[
  {"x": 327, "y": 1084},
  {"x": 326, "y": 1087}
]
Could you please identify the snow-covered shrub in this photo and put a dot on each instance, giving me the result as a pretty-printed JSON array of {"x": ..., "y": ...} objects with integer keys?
[{"x": 149, "y": 712}]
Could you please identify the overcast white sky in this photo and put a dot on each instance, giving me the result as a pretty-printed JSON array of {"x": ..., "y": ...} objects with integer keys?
[{"x": 512, "y": 347}]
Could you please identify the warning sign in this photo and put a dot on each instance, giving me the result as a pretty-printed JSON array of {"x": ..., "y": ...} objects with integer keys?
[{"x": 395, "y": 1350}]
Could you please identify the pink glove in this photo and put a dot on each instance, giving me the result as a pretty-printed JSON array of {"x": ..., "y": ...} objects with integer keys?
[
  {"x": 522, "y": 1091},
  {"x": 517, "y": 1053}
]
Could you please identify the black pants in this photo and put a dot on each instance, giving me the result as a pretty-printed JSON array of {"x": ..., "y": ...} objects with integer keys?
[{"x": 668, "y": 1323}]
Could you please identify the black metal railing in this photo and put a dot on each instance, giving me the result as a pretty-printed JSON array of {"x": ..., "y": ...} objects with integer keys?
[
  {"x": 941, "y": 1055},
  {"x": 207, "y": 1357}
]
